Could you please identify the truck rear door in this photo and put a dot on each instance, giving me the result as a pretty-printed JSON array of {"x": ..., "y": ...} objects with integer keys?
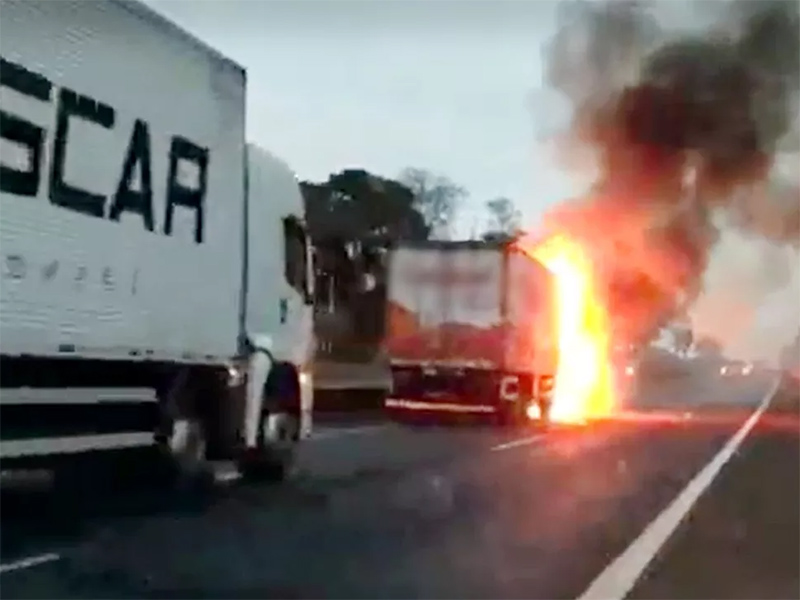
[
  {"x": 415, "y": 305},
  {"x": 472, "y": 328},
  {"x": 444, "y": 336}
]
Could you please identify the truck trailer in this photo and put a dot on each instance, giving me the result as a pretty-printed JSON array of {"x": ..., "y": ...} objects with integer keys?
[
  {"x": 157, "y": 278},
  {"x": 471, "y": 328}
]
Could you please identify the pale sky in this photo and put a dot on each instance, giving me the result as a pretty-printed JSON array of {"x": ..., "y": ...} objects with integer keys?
[{"x": 452, "y": 86}]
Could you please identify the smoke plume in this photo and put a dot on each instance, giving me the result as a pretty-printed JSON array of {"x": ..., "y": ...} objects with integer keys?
[
  {"x": 751, "y": 298},
  {"x": 682, "y": 129}
]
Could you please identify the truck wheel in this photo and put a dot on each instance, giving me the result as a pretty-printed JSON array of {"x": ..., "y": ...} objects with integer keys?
[
  {"x": 186, "y": 453},
  {"x": 182, "y": 435},
  {"x": 187, "y": 444},
  {"x": 273, "y": 459}
]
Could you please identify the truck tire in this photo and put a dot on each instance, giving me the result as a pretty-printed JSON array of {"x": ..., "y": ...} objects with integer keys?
[
  {"x": 183, "y": 435},
  {"x": 274, "y": 457},
  {"x": 187, "y": 448}
]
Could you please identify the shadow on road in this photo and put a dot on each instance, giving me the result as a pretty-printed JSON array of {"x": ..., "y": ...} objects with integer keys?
[{"x": 89, "y": 491}]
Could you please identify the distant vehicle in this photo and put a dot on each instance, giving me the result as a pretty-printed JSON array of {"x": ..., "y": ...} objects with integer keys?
[
  {"x": 736, "y": 368},
  {"x": 157, "y": 278},
  {"x": 471, "y": 327}
]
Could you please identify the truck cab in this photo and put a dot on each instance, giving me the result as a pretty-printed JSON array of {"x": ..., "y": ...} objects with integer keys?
[{"x": 266, "y": 407}]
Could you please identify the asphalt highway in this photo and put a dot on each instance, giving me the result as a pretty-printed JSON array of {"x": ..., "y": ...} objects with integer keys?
[{"x": 692, "y": 493}]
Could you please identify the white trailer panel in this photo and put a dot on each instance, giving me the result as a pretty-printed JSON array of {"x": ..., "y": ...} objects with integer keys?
[
  {"x": 475, "y": 287},
  {"x": 105, "y": 83},
  {"x": 445, "y": 304},
  {"x": 415, "y": 304}
]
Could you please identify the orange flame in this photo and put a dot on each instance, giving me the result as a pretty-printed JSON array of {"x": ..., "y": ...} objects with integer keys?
[{"x": 584, "y": 384}]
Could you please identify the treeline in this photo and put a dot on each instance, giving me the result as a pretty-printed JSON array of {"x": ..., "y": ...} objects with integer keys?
[{"x": 352, "y": 218}]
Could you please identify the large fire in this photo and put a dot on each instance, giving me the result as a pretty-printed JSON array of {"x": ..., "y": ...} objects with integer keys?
[
  {"x": 677, "y": 130},
  {"x": 584, "y": 387}
]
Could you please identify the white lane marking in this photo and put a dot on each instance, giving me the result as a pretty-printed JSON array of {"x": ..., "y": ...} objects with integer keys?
[
  {"x": 27, "y": 563},
  {"x": 619, "y": 576},
  {"x": 334, "y": 433},
  {"x": 517, "y": 443},
  {"x": 227, "y": 474}
]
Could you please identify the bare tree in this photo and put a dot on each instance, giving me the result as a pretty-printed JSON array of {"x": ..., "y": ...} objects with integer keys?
[
  {"x": 682, "y": 339},
  {"x": 436, "y": 197},
  {"x": 506, "y": 218}
]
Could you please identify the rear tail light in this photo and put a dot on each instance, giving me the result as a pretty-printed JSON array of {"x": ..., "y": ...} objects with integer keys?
[
  {"x": 546, "y": 383},
  {"x": 533, "y": 411}
]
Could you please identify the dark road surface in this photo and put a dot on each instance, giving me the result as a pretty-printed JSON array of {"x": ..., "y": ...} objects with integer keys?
[{"x": 394, "y": 511}]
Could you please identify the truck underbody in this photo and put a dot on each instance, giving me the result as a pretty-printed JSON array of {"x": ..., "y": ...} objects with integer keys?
[
  {"x": 57, "y": 410},
  {"x": 504, "y": 396}
]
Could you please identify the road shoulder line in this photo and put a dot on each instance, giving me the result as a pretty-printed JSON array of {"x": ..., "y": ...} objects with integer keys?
[
  {"x": 27, "y": 563},
  {"x": 619, "y": 577},
  {"x": 517, "y": 443}
]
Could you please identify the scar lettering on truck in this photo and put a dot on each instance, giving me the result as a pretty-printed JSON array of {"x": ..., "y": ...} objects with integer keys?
[
  {"x": 50, "y": 270},
  {"x": 72, "y": 105},
  {"x": 81, "y": 275},
  {"x": 108, "y": 279},
  {"x": 283, "y": 309},
  {"x": 15, "y": 267}
]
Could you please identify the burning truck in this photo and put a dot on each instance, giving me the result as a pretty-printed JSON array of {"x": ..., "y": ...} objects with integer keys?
[
  {"x": 515, "y": 329},
  {"x": 681, "y": 132},
  {"x": 471, "y": 328}
]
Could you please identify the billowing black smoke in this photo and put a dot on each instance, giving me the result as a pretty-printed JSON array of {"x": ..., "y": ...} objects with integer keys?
[{"x": 681, "y": 128}]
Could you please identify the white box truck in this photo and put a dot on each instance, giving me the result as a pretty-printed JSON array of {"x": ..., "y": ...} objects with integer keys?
[
  {"x": 471, "y": 328},
  {"x": 156, "y": 276}
]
